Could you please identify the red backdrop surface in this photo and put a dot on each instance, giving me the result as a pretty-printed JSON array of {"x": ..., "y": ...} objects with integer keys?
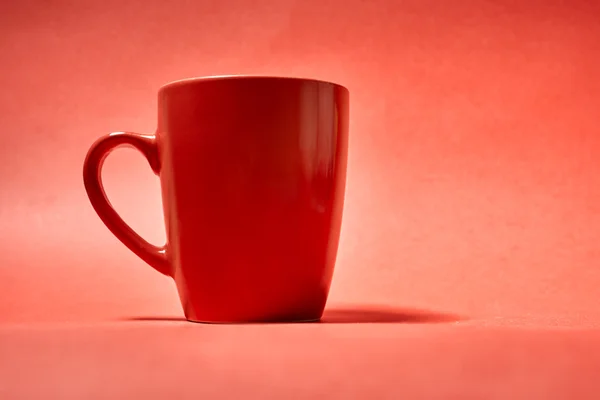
[
  {"x": 474, "y": 177},
  {"x": 474, "y": 165}
]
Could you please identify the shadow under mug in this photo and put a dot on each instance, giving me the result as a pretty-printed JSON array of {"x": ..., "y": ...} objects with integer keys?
[{"x": 252, "y": 173}]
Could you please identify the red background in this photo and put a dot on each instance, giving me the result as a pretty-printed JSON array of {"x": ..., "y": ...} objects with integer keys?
[{"x": 473, "y": 182}]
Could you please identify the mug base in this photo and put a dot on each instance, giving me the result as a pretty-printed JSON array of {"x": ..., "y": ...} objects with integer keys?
[{"x": 283, "y": 321}]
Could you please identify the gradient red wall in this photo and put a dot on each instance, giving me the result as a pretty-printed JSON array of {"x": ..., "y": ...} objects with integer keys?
[{"x": 474, "y": 176}]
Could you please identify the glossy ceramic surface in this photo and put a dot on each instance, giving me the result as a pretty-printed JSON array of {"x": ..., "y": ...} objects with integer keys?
[{"x": 253, "y": 173}]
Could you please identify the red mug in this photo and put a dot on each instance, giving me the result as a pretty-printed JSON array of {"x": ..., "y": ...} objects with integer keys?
[{"x": 253, "y": 174}]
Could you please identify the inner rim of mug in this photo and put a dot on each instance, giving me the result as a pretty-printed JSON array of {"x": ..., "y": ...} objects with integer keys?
[{"x": 199, "y": 79}]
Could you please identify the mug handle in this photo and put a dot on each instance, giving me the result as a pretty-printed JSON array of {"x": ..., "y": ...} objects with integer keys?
[{"x": 155, "y": 256}]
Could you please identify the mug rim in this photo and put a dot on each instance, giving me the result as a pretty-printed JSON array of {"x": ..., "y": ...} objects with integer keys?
[{"x": 199, "y": 79}]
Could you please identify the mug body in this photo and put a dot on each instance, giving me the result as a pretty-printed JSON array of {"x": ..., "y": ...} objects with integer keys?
[{"x": 253, "y": 173}]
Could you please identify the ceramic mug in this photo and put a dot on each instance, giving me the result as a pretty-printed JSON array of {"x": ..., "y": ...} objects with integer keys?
[{"x": 252, "y": 173}]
